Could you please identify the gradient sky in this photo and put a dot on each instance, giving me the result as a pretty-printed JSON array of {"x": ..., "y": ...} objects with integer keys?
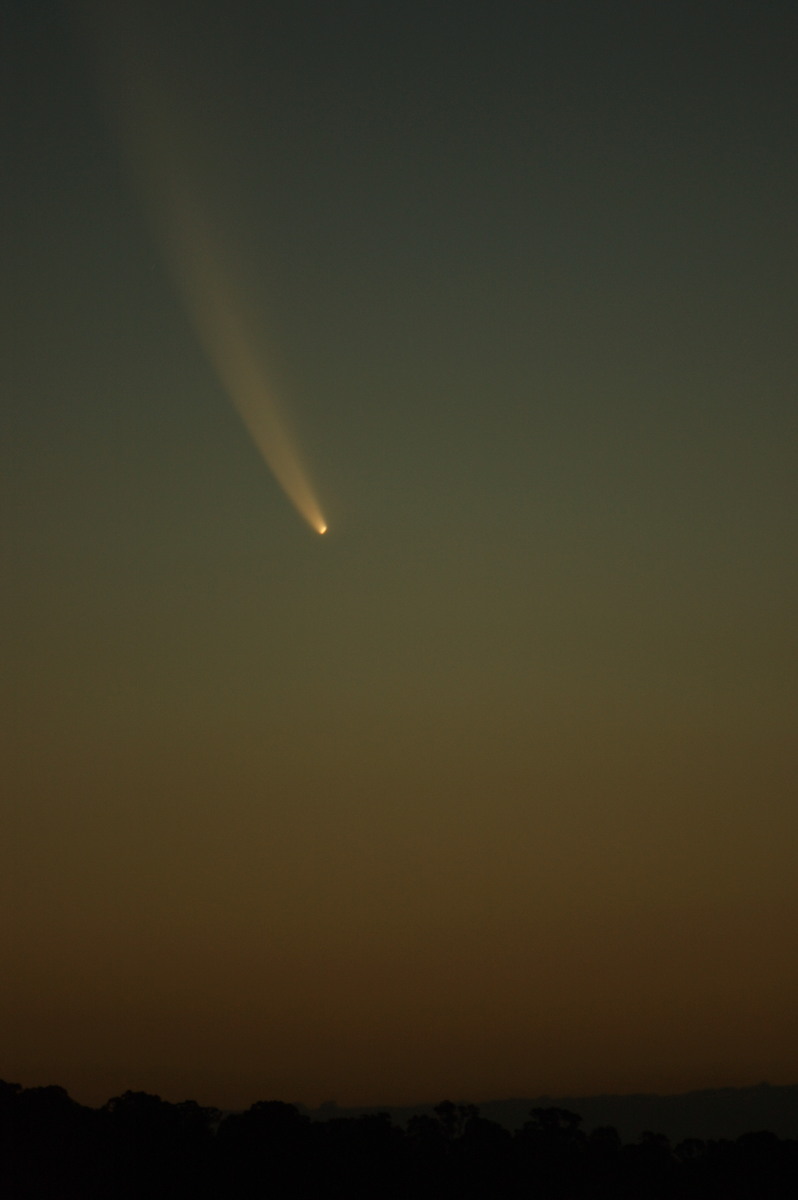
[{"x": 492, "y": 790}]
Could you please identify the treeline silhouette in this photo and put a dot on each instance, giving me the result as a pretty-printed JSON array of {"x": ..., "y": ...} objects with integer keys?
[{"x": 138, "y": 1145}]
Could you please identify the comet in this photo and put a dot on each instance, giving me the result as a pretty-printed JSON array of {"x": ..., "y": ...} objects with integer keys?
[
  {"x": 215, "y": 306},
  {"x": 143, "y": 112}
]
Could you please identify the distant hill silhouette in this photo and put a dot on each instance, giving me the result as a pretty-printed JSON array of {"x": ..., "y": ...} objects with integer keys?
[{"x": 709, "y": 1113}]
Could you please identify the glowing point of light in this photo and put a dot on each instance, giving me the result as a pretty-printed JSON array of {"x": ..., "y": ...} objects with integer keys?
[{"x": 322, "y": 528}]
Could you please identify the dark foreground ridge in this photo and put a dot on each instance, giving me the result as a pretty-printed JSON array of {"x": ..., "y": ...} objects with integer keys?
[{"x": 138, "y": 1145}]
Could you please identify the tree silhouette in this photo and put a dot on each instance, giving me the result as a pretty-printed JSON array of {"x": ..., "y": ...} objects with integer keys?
[{"x": 140, "y": 1146}]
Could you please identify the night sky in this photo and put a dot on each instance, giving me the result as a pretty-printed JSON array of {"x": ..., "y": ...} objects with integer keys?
[{"x": 491, "y": 790}]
